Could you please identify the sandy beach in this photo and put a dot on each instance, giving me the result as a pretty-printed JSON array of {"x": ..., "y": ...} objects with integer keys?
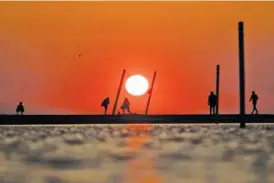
[{"x": 137, "y": 154}]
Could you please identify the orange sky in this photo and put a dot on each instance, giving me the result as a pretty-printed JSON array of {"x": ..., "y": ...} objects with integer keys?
[{"x": 182, "y": 41}]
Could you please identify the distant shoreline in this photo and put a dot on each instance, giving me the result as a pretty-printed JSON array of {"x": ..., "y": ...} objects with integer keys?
[{"x": 133, "y": 119}]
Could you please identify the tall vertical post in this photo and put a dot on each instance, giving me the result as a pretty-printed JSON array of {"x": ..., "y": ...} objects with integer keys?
[
  {"x": 217, "y": 87},
  {"x": 241, "y": 71},
  {"x": 119, "y": 91},
  {"x": 150, "y": 94}
]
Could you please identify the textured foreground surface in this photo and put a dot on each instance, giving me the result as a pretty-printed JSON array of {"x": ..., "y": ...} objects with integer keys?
[{"x": 137, "y": 154}]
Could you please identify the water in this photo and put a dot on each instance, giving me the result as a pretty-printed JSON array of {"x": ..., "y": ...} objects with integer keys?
[{"x": 137, "y": 154}]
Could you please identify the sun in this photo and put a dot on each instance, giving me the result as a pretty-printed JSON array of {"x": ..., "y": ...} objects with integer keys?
[{"x": 137, "y": 85}]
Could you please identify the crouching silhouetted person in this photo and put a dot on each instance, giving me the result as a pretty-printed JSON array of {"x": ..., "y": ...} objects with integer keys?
[
  {"x": 105, "y": 104},
  {"x": 212, "y": 101},
  {"x": 125, "y": 106},
  {"x": 254, "y": 97},
  {"x": 20, "y": 109}
]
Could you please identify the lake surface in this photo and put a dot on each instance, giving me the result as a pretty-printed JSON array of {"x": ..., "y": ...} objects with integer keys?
[{"x": 137, "y": 154}]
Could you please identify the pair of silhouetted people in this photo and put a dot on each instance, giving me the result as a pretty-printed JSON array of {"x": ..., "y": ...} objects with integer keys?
[
  {"x": 212, "y": 102},
  {"x": 254, "y": 98},
  {"x": 20, "y": 109},
  {"x": 125, "y": 105}
]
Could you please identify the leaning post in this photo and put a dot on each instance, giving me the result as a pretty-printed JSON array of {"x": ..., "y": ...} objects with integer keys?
[{"x": 118, "y": 92}]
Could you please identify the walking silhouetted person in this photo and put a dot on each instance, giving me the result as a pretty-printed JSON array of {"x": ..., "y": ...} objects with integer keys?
[
  {"x": 125, "y": 106},
  {"x": 212, "y": 101},
  {"x": 20, "y": 108},
  {"x": 105, "y": 104},
  {"x": 254, "y": 98}
]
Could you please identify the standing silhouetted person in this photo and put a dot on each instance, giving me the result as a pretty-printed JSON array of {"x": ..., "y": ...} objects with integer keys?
[
  {"x": 212, "y": 101},
  {"x": 20, "y": 108},
  {"x": 254, "y": 97},
  {"x": 125, "y": 106},
  {"x": 105, "y": 104}
]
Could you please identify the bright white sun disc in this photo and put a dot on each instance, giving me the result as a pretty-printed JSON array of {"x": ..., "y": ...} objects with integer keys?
[{"x": 137, "y": 85}]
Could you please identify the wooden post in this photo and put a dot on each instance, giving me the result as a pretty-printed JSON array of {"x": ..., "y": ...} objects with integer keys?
[
  {"x": 150, "y": 94},
  {"x": 241, "y": 72},
  {"x": 217, "y": 87},
  {"x": 118, "y": 92}
]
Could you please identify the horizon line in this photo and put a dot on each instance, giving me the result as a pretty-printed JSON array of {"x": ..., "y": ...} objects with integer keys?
[{"x": 135, "y": 1}]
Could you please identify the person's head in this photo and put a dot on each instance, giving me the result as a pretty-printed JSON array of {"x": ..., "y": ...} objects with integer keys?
[
  {"x": 211, "y": 93},
  {"x": 253, "y": 92},
  {"x": 20, "y": 103},
  {"x": 107, "y": 97}
]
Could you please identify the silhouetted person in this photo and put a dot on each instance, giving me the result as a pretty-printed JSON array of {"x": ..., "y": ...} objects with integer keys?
[
  {"x": 20, "y": 108},
  {"x": 105, "y": 104},
  {"x": 125, "y": 106},
  {"x": 254, "y": 97},
  {"x": 212, "y": 101}
]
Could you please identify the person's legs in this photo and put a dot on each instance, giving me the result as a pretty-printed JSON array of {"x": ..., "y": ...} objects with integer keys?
[
  {"x": 211, "y": 110},
  {"x": 214, "y": 112},
  {"x": 255, "y": 107},
  {"x": 106, "y": 110},
  {"x": 128, "y": 110}
]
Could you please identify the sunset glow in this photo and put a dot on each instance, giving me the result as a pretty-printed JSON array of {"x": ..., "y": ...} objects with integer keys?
[
  {"x": 182, "y": 41},
  {"x": 137, "y": 85}
]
